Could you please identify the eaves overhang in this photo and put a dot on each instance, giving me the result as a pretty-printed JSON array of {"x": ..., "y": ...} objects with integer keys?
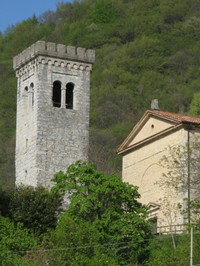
[
  {"x": 150, "y": 139},
  {"x": 176, "y": 120}
]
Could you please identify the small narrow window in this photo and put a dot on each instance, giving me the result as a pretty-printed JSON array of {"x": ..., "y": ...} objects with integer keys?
[
  {"x": 32, "y": 93},
  {"x": 26, "y": 144},
  {"x": 56, "y": 93},
  {"x": 69, "y": 95}
]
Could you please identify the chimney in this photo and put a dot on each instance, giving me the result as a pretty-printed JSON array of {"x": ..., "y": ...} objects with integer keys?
[{"x": 154, "y": 104}]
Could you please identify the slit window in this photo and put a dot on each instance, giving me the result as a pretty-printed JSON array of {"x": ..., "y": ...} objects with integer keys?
[
  {"x": 26, "y": 145},
  {"x": 69, "y": 95},
  {"x": 32, "y": 93},
  {"x": 56, "y": 93}
]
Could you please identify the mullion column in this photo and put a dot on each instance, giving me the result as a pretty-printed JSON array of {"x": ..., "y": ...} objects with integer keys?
[{"x": 63, "y": 97}]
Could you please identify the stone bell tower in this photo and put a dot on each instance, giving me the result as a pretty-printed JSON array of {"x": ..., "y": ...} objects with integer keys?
[{"x": 53, "y": 97}]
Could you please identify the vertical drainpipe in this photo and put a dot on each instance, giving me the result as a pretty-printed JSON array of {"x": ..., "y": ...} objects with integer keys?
[{"x": 188, "y": 173}]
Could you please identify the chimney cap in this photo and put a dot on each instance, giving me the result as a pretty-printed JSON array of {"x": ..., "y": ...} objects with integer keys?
[{"x": 154, "y": 104}]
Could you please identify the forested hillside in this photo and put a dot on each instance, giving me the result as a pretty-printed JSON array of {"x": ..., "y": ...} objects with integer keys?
[{"x": 144, "y": 50}]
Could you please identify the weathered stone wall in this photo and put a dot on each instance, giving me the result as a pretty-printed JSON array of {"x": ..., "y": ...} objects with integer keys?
[{"x": 49, "y": 138}]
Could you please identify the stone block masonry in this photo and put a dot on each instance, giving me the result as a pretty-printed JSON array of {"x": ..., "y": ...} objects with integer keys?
[{"x": 53, "y": 98}]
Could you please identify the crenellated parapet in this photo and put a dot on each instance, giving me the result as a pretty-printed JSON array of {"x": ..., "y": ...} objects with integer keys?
[{"x": 49, "y": 49}]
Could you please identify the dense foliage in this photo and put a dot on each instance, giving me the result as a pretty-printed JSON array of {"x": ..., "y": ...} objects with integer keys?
[
  {"x": 36, "y": 208},
  {"x": 78, "y": 243},
  {"x": 14, "y": 242},
  {"x": 144, "y": 50},
  {"x": 102, "y": 222},
  {"x": 111, "y": 206}
]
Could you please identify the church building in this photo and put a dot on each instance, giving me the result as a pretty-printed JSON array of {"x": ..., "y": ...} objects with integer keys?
[{"x": 142, "y": 153}]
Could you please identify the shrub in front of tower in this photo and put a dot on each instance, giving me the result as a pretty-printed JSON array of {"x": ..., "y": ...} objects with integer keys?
[{"x": 36, "y": 208}]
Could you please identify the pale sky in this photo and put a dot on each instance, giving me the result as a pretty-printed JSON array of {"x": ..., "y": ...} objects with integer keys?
[{"x": 15, "y": 11}]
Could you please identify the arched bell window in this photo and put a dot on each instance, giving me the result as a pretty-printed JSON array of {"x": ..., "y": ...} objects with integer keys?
[
  {"x": 69, "y": 98},
  {"x": 56, "y": 94}
]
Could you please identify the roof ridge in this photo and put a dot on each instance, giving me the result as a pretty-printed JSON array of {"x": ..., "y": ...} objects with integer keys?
[{"x": 176, "y": 117}]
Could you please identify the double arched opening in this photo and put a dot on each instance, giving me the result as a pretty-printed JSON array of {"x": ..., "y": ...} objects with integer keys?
[
  {"x": 63, "y": 96},
  {"x": 29, "y": 92}
]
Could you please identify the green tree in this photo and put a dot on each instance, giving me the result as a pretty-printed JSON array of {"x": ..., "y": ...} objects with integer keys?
[
  {"x": 14, "y": 242},
  {"x": 77, "y": 243},
  {"x": 36, "y": 208},
  {"x": 110, "y": 205},
  {"x": 104, "y": 12}
]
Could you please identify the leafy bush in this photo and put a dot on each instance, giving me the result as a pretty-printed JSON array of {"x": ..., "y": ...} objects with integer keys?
[
  {"x": 14, "y": 242},
  {"x": 110, "y": 206},
  {"x": 78, "y": 242},
  {"x": 36, "y": 208}
]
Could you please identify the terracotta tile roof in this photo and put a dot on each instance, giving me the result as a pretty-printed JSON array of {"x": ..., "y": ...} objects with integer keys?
[{"x": 175, "y": 117}]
